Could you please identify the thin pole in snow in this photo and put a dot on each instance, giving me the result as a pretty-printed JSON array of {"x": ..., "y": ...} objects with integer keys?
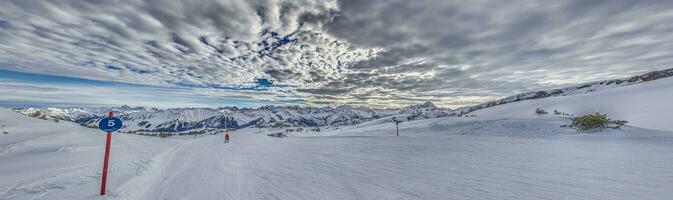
[
  {"x": 397, "y": 125},
  {"x": 107, "y": 158}
]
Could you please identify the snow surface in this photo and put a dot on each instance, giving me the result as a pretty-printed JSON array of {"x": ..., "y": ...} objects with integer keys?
[
  {"x": 41, "y": 159},
  {"x": 507, "y": 152},
  {"x": 574, "y": 90},
  {"x": 647, "y": 105},
  {"x": 443, "y": 158}
]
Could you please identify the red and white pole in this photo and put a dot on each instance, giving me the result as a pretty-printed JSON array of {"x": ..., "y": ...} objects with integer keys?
[{"x": 107, "y": 157}]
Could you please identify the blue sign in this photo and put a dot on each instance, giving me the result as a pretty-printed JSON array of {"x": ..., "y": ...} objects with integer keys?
[{"x": 110, "y": 124}]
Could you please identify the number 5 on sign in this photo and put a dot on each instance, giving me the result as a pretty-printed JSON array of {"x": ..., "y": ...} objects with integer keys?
[{"x": 110, "y": 124}]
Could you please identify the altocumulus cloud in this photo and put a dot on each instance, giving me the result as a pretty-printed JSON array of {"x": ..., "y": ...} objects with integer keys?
[{"x": 374, "y": 53}]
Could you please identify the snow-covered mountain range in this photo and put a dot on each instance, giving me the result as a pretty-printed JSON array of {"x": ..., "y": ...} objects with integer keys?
[
  {"x": 185, "y": 119},
  {"x": 427, "y": 110}
]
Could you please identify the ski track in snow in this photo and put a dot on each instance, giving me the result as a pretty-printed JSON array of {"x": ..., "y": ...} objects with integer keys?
[
  {"x": 46, "y": 160},
  {"x": 506, "y": 152},
  {"x": 445, "y": 158},
  {"x": 457, "y": 166}
]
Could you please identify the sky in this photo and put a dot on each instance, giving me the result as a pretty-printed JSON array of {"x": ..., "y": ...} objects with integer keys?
[{"x": 375, "y": 53}]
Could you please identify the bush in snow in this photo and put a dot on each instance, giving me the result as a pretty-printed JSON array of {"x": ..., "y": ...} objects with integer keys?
[
  {"x": 596, "y": 121},
  {"x": 5, "y": 133},
  {"x": 591, "y": 121},
  {"x": 540, "y": 111},
  {"x": 619, "y": 122},
  {"x": 278, "y": 135}
]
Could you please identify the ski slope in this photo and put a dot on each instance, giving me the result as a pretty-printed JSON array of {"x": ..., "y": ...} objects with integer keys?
[
  {"x": 646, "y": 105},
  {"x": 444, "y": 158},
  {"x": 627, "y": 164},
  {"x": 42, "y": 159},
  {"x": 507, "y": 152}
]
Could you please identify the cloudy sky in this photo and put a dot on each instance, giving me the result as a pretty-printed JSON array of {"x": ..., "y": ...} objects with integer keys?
[{"x": 377, "y": 53}]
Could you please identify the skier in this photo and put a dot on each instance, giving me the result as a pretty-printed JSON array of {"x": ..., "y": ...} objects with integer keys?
[{"x": 226, "y": 137}]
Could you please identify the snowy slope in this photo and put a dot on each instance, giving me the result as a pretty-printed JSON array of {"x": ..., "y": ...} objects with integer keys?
[
  {"x": 574, "y": 90},
  {"x": 443, "y": 158},
  {"x": 496, "y": 157},
  {"x": 506, "y": 152},
  {"x": 41, "y": 159},
  {"x": 646, "y": 105}
]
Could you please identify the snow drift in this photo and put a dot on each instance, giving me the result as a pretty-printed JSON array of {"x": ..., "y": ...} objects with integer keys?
[{"x": 646, "y": 105}]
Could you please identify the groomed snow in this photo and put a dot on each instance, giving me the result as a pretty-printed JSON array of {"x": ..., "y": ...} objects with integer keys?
[
  {"x": 647, "y": 104},
  {"x": 505, "y": 153},
  {"x": 41, "y": 159},
  {"x": 473, "y": 161}
]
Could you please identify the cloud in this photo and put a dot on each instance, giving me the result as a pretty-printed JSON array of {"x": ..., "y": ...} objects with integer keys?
[
  {"x": 462, "y": 53},
  {"x": 379, "y": 53}
]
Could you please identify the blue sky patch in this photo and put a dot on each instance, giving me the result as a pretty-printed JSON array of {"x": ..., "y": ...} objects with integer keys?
[{"x": 86, "y": 92}]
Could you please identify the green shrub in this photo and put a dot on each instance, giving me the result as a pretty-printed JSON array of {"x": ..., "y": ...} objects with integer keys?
[
  {"x": 591, "y": 121},
  {"x": 596, "y": 121},
  {"x": 619, "y": 122}
]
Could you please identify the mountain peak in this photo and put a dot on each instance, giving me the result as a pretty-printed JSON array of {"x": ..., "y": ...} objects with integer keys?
[{"x": 428, "y": 104}]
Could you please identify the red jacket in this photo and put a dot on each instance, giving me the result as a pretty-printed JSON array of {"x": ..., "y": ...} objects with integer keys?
[{"x": 226, "y": 136}]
